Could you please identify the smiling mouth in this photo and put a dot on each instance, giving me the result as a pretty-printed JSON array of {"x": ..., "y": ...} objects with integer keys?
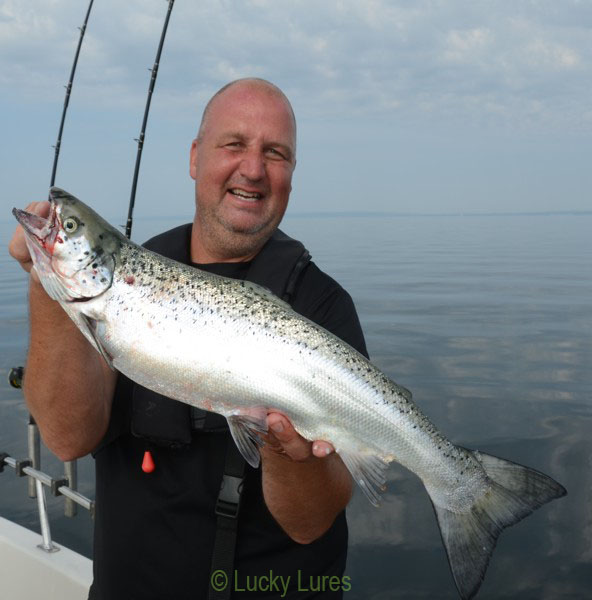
[{"x": 243, "y": 195}]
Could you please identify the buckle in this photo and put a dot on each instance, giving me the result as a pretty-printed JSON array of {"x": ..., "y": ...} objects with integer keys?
[{"x": 229, "y": 497}]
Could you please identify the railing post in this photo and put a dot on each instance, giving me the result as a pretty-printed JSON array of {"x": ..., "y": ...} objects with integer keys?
[
  {"x": 71, "y": 467},
  {"x": 34, "y": 444},
  {"x": 47, "y": 545}
]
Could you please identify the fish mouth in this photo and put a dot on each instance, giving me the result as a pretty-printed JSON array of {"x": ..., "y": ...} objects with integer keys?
[{"x": 42, "y": 231}]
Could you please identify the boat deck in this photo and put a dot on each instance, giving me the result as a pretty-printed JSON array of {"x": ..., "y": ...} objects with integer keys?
[{"x": 28, "y": 573}]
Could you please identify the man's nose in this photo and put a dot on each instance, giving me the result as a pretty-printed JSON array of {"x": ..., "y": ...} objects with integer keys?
[{"x": 252, "y": 165}]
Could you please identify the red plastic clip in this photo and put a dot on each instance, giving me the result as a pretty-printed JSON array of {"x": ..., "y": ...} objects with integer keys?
[{"x": 148, "y": 462}]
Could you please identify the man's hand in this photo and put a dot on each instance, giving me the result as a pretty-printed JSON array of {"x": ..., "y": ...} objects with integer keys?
[
  {"x": 18, "y": 247},
  {"x": 71, "y": 406},
  {"x": 284, "y": 440},
  {"x": 305, "y": 484}
]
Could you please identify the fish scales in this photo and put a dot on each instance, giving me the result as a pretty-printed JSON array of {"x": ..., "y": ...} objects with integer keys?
[
  {"x": 234, "y": 320},
  {"x": 233, "y": 347},
  {"x": 211, "y": 308},
  {"x": 199, "y": 316}
]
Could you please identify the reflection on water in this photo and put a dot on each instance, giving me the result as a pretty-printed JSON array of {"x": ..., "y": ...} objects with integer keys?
[{"x": 488, "y": 322}]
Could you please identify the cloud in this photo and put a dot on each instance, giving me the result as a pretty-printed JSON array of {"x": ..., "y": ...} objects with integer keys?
[
  {"x": 464, "y": 46},
  {"x": 384, "y": 91},
  {"x": 527, "y": 63},
  {"x": 551, "y": 56}
]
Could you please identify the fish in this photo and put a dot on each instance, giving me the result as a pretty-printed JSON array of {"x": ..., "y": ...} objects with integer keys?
[{"x": 233, "y": 347}]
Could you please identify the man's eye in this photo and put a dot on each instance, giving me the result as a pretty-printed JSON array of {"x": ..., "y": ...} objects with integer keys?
[{"x": 275, "y": 153}]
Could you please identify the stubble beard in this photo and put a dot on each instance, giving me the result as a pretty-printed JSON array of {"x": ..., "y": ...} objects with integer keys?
[{"x": 231, "y": 241}]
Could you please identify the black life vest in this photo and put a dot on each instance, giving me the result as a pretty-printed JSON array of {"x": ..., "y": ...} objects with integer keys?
[{"x": 277, "y": 267}]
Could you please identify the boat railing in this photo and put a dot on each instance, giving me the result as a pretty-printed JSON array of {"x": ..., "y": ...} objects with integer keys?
[{"x": 30, "y": 467}]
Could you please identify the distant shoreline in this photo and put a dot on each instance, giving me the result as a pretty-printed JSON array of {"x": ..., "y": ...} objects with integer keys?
[
  {"x": 577, "y": 213},
  {"x": 370, "y": 214}
]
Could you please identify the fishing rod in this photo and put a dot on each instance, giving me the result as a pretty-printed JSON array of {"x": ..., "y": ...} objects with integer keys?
[
  {"x": 140, "y": 139},
  {"x": 70, "y": 466},
  {"x": 67, "y": 98},
  {"x": 16, "y": 374}
]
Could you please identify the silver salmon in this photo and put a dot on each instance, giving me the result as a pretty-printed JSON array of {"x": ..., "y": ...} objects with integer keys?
[{"x": 233, "y": 347}]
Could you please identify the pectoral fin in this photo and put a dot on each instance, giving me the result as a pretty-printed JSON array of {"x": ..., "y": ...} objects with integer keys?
[
  {"x": 245, "y": 427},
  {"x": 89, "y": 328}
]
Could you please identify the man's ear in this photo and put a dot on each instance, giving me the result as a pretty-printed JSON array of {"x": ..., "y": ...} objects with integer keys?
[{"x": 193, "y": 159}]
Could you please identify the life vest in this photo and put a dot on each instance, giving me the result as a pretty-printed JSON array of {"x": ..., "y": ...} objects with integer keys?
[{"x": 277, "y": 267}]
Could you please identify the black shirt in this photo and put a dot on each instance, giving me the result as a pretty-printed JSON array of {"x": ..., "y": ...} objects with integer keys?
[{"x": 154, "y": 532}]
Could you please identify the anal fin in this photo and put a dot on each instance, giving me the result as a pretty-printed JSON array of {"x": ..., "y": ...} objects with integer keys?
[{"x": 368, "y": 471}]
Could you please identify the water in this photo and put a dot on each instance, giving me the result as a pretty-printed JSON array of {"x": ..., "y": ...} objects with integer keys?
[{"x": 488, "y": 321}]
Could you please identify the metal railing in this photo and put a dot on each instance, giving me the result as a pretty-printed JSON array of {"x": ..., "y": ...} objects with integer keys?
[
  {"x": 57, "y": 487},
  {"x": 65, "y": 486}
]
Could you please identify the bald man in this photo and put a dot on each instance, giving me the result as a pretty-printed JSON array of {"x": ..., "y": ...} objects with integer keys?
[{"x": 165, "y": 534}]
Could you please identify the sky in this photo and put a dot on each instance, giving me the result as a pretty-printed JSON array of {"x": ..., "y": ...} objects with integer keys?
[{"x": 424, "y": 106}]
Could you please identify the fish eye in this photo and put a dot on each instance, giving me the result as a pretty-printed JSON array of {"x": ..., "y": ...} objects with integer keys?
[{"x": 70, "y": 225}]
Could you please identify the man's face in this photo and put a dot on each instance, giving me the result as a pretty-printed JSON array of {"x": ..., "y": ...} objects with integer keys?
[{"x": 242, "y": 166}]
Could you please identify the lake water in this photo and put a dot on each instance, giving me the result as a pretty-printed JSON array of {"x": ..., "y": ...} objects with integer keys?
[{"x": 488, "y": 321}]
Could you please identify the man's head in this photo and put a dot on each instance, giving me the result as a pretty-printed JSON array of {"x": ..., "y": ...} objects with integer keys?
[{"x": 242, "y": 161}]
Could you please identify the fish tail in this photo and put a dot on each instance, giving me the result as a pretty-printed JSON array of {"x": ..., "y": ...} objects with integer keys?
[{"x": 470, "y": 537}]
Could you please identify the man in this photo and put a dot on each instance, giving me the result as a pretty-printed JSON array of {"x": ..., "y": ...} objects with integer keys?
[{"x": 156, "y": 533}]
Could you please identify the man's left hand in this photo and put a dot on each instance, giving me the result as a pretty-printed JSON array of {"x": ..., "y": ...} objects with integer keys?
[
  {"x": 283, "y": 439},
  {"x": 305, "y": 484}
]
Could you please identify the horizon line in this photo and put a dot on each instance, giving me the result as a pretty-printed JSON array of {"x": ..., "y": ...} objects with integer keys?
[{"x": 380, "y": 213}]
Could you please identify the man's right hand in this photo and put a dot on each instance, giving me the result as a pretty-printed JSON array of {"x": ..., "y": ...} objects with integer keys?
[
  {"x": 71, "y": 405},
  {"x": 18, "y": 247}
]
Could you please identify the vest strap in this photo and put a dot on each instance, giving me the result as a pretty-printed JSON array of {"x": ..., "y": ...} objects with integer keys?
[
  {"x": 278, "y": 267},
  {"x": 228, "y": 503},
  {"x": 227, "y": 508}
]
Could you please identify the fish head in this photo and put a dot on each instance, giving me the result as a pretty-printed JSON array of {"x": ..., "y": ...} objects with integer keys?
[{"x": 73, "y": 249}]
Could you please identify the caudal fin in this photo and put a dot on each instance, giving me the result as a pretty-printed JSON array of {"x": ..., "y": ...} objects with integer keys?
[{"x": 469, "y": 538}]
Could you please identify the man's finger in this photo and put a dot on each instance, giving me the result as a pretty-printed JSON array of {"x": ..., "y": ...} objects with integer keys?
[
  {"x": 321, "y": 449},
  {"x": 291, "y": 442},
  {"x": 17, "y": 246}
]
